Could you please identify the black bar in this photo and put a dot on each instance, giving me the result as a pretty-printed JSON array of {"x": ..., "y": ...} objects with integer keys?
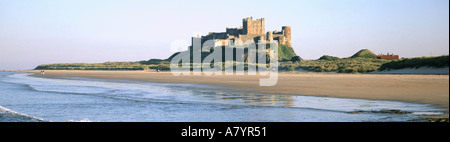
[{"x": 272, "y": 130}]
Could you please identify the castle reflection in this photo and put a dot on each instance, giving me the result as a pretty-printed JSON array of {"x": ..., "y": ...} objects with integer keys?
[{"x": 257, "y": 99}]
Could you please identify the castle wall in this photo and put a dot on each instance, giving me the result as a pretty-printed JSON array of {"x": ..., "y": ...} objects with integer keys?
[
  {"x": 277, "y": 32},
  {"x": 215, "y": 36},
  {"x": 234, "y": 31},
  {"x": 251, "y": 30},
  {"x": 269, "y": 36},
  {"x": 245, "y": 38}
]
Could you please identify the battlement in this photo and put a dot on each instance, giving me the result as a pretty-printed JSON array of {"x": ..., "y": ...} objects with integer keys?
[{"x": 251, "y": 19}]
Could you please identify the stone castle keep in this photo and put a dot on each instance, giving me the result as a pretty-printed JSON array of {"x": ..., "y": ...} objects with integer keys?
[{"x": 250, "y": 30}]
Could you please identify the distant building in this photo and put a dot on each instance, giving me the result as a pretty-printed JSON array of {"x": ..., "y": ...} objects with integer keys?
[{"x": 387, "y": 56}]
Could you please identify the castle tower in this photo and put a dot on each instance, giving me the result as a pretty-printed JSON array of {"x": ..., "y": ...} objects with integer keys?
[
  {"x": 269, "y": 36},
  {"x": 251, "y": 26},
  {"x": 262, "y": 26},
  {"x": 287, "y": 34}
]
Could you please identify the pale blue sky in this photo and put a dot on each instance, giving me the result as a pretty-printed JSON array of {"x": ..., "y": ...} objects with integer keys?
[{"x": 34, "y": 32}]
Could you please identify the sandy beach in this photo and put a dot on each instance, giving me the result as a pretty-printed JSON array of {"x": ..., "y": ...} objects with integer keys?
[{"x": 423, "y": 89}]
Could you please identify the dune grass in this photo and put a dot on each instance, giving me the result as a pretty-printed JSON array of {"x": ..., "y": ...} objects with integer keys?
[
  {"x": 346, "y": 65},
  {"x": 417, "y": 62}
]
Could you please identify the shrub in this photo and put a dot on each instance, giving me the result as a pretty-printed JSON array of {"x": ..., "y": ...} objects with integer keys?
[
  {"x": 296, "y": 59},
  {"x": 326, "y": 57}
]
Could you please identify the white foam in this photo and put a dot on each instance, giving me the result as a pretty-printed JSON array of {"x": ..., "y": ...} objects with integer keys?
[
  {"x": 427, "y": 113},
  {"x": 83, "y": 120},
  {"x": 6, "y": 110}
]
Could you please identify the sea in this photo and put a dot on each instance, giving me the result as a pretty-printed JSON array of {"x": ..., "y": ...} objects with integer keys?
[{"x": 26, "y": 98}]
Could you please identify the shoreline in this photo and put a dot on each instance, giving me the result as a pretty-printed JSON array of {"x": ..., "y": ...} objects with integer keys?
[{"x": 420, "y": 89}]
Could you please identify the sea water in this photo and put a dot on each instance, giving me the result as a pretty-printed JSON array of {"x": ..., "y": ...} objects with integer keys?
[{"x": 25, "y": 98}]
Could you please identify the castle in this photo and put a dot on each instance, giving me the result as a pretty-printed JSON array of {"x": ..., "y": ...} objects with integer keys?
[{"x": 250, "y": 30}]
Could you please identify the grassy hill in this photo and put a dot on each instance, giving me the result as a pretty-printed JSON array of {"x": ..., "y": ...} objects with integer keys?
[
  {"x": 364, "y": 53},
  {"x": 285, "y": 52},
  {"x": 327, "y": 57},
  {"x": 361, "y": 62}
]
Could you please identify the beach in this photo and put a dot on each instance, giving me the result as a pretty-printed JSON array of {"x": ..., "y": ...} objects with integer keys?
[{"x": 420, "y": 89}]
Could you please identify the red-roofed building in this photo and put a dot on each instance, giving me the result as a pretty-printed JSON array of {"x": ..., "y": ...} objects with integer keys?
[{"x": 388, "y": 56}]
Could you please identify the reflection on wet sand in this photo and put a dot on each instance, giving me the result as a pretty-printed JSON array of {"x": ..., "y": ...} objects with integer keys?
[
  {"x": 311, "y": 102},
  {"x": 257, "y": 99}
]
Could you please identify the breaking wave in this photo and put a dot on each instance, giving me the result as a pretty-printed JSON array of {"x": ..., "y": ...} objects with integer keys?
[
  {"x": 83, "y": 120},
  {"x": 7, "y": 115}
]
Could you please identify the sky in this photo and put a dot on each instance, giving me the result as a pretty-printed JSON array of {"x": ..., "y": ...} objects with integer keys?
[{"x": 34, "y": 32}]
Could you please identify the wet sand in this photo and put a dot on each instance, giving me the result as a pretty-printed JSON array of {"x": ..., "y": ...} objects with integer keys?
[{"x": 423, "y": 89}]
